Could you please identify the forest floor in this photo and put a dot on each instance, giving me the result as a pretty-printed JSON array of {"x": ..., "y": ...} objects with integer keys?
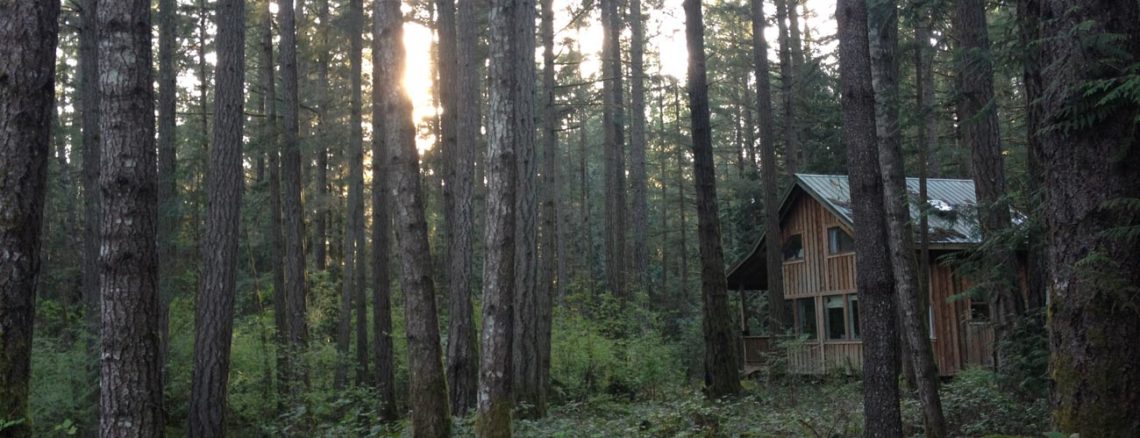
[
  {"x": 808, "y": 409},
  {"x": 790, "y": 408}
]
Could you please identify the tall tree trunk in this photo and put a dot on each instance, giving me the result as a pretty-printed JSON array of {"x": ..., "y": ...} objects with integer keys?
[
  {"x": 505, "y": 140},
  {"x": 427, "y": 388},
  {"x": 787, "y": 92},
  {"x": 721, "y": 361},
  {"x": 462, "y": 359},
  {"x": 130, "y": 377},
  {"x": 528, "y": 383},
  {"x": 276, "y": 239},
  {"x": 977, "y": 111},
  {"x": 356, "y": 238},
  {"x": 297, "y": 332},
  {"x": 354, "y": 144},
  {"x": 614, "y": 150},
  {"x": 637, "y": 173},
  {"x": 681, "y": 208},
  {"x": 927, "y": 126},
  {"x": 883, "y": 35},
  {"x": 89, "y": 106},
  {"x": 774, "y": 265},
  {"x": 321, "y": 212},
  {"x": 167, "y": 166},
  {"x": 586, "y": 242},
  {"x": 1090, "y": 191},
  {"x": 199, "y": 199},
  {"x": 874, "y": 279},
  {"x": 1029, "y": 32},
  {"x": 551, "y": 256},
  {"x": 214, "y": 312},
  {"x": 381, "y": 229},
  {"x": 89, "y": 276},
  {"x": 27, "y": 101}
]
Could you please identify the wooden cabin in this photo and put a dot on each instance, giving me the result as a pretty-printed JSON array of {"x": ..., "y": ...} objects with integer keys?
[{"x": 816, "y": 231}]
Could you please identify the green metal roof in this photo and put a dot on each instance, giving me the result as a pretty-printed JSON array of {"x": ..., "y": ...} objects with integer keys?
[
  {"x": 951, "y": 214},
  {"x": 952, "y": 221}
]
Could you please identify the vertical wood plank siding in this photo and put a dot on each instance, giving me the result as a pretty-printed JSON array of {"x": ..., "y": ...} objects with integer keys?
[{"x": 957, "y": 341}]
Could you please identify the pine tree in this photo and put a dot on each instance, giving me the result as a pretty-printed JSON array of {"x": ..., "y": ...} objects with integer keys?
[
  {"x": 721, "y": 360},
  {"x": 874, "y": 279},
  {"x": 214, "y": 317},
  {"x": 130, "y": 377},
  {"x": 427, "y": 387},
  {"x": 27, "y": 99}
]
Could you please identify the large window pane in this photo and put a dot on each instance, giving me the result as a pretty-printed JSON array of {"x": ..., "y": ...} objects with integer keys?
[
  {"x": 805, "y": 317},
  {"x": 833, "y": 306},
  {"x": 838, "y": 241},
  {"x": 853, "y": 308}
]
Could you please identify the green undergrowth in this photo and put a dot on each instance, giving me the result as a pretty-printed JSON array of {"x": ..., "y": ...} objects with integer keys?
[{"x": 792, "y": 409}]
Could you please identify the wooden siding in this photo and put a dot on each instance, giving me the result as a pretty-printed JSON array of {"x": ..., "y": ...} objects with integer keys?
[
  {"x": 818, "y": 272},
  {"x": 957, "y": 342}
]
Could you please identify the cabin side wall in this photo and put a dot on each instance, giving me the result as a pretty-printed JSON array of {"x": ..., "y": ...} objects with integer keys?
[
  {"x": 811, "y": 281},
  {"x": 957, "y": 341}
]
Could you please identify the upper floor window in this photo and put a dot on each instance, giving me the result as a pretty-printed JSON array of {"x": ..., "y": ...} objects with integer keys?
[
  {"x": 794, "y": 248},
  {"x": 838, "y": 241}
]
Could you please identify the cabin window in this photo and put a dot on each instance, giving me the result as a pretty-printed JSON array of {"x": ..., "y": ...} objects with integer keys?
[
  {"x": 838, "y": 241},
  {"x": 834, "y": 317},
  {"x": 853, "y": 316},
  {"x": 794, "y": 248},
  {"x": 805, "y": 317},
  {"x": 979, "y": 310}
]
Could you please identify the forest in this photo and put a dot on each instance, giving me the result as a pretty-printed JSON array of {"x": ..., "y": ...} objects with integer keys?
[{"x": 570, "y": 218}]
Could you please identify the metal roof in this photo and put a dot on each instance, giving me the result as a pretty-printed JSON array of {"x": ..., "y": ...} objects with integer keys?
[
  {"x": 951, "y": 213},
  {"x": 951, "y": 218}
]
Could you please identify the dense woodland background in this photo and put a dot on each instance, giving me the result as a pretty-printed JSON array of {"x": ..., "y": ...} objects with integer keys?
[{"x": 235, "y": 218}]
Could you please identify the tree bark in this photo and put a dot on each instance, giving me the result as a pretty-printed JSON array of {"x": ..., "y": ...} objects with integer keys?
[
  {"x": 198, "y": 199},
  {"x": 977, "y": 111},
  {"x": 1088, "y": 168},
  {"x": 927, "y": 127},
  {"x": 637, "y": 166},
  {"x": 777, "y": 320},
  {"x": 505, "y": 141},
  {"x": 89, "y": 106},
  {"x": 321, "y": 213},
  {"x": 381, "y": 233},
  {"x": 27, "y": 99},
  {"x": 721, "y": 360},
  {"x": 214, "y": 312},
  {"x": 320, "y": 220},
  {"x": 297, "y": 333},
  {"x": 1029, "y": 33},
  {"x": 130, "y": 377},
  {"x": 614, "y": 150},
  {"x": 167, "y": 163},
  {"x": 276, "y": 239},
  {"x": 874, "y": 279},
  {"x": 883, "y": 35},
  {"x": 356, "y": 189},
  {"x": 381, "y": 228},
  {"x": 525, "y": 349},
  {"x": 427, "y": 388},
  {"x": 681, "y": 207},
  {"x": 787, "y": 92},
  {"x": 551, "y": 256},
  {"x": 462, "y": 359}
]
